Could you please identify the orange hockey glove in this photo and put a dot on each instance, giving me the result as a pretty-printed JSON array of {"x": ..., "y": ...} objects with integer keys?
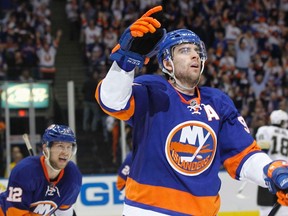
[
  {"x": 282, "y": 198},
  {"x": 140, "y": 41}
]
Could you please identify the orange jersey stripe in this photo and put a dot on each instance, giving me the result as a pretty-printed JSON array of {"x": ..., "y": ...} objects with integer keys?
[
  {"x": 64, "y": 207},
  {"x": 232, "y": 164},
  {"x": 120, "y": 183},
  {"x": 122, "y": 114},
  {"x": 172, "y": 199},
  {"x": 17, "y": 212}
]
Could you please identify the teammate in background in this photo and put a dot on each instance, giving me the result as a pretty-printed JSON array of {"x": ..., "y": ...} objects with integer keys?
[
  {"x": 182, "y": 133},
  {"x": 125, "y": 167},
  {"x": 274, "y": 140},
  {"x": 123, "y": 172},
  {"x": 43, "y": 185}
]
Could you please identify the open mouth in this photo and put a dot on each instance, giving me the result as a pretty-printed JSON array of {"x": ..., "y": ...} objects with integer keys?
[
  {"x": 63, "y": 159},
  {"x": 194, "y": 65}
]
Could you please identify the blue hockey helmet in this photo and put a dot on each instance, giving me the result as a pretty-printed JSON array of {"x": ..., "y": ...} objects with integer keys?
[
  {"x": 58, "y": 133},
  {"x": 176, "y": 37}
]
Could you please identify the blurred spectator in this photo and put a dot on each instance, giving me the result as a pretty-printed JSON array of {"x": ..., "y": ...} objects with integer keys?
[
  {"x": 92, "y": 34},
  {"x": 28, "y": 50},
  {"x": 284, "y": 59},
  {"x": 276, "y": 71},
  {"x": 185, "y": 5},
  {"x": 110, "y": 38},
  {"x": 220, "y": 44},
  {"x": 112, "y": 135},
  {"x": 232, "y": 31},
  {"x": 91, "y": 109},
  {"x": 47, "y": 34},
  {"x": 16, "y": 157},
  {"x": 16, "y": 66},
  {"x": 11, "y": 47},
  {"x": 226, "y": 84},
  {"x": 72, "y": 12},
  {"x": 97, "y": 59},
  {"x": 42, "y": 8},
  {"x": 243, "y": 53},
  {"x": 46, "y": 54},
  {"x": 26, "y": 76},
  {"x": 259, "y": 116},
  {"x": 227, "y": 62},
  {"x": 41, "y": 23},
  {"x": 130, "y": 12},
  {"x": 275, "y": 41},
  {"x": 117, "y": 6},
  {"x": 3, "y": 67},
  {"x": 103, "y": 17},
  {"x": 258, "y": 80},
  {"x": 89, "y": 12}
]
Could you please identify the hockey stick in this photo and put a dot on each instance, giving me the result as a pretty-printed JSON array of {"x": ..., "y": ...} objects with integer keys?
[
  {"x": 274, "y": 209},
  {"x": 28, "y": 144},
  {"x": 240, "y": 190}
]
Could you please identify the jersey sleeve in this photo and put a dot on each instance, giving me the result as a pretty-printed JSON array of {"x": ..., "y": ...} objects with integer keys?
[
  {"x": 235, "y": 142},
  {"x": 114, "y": 93}
]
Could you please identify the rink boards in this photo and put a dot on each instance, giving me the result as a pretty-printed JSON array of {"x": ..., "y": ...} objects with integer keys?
[{"x": 99, "y": 197}]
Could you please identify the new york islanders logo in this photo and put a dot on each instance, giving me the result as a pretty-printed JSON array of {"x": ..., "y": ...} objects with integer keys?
[
  {"x": 45, "y": 207},
  {"x": 191, "y": 147}
]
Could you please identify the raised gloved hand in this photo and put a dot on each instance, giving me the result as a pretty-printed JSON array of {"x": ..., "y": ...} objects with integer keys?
[
  {"x": 140, "y": 41},
  {"x": 276, "y": 178}
]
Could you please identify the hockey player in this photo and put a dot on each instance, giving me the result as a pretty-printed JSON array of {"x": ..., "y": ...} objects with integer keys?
[
  {"x": 274, "y": 140},
  {"x": 123, "y": 172},
  {"x": 47, "y": 184},
  {"x": 182, "y": 133}
]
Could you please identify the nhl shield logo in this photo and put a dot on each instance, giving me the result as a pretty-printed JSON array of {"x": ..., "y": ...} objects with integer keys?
[{"x": 191, "y": 147}]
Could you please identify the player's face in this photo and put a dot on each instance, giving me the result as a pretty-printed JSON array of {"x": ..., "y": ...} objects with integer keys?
[
  {"x": 60, "y": 154},
  {"x": 187, "y": 64}
]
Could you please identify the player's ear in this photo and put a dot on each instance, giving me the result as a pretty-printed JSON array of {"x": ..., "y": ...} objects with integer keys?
[
  {"x": 167, "y": 64},
  {"x": 44, "y": 149}
]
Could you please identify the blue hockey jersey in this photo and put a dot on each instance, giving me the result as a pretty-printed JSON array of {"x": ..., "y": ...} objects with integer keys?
[
  {"x": 30, "y": 192},
  {"x": 180, "y": 143},
  {"x": 123, "y": 172}
]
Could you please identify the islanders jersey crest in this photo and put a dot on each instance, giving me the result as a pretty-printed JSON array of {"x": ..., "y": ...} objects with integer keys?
[{"x": 190, "y": 147}]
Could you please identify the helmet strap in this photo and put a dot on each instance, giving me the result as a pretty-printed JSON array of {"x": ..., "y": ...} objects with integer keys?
[
  {"x": 47, "y": 160},
  {"x": 173, "y": 77}
]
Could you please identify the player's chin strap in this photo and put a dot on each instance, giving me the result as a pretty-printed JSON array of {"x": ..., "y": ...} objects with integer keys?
[
  {"x": 176, "y": 81},
  {"x": 47, "y": 156}
]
